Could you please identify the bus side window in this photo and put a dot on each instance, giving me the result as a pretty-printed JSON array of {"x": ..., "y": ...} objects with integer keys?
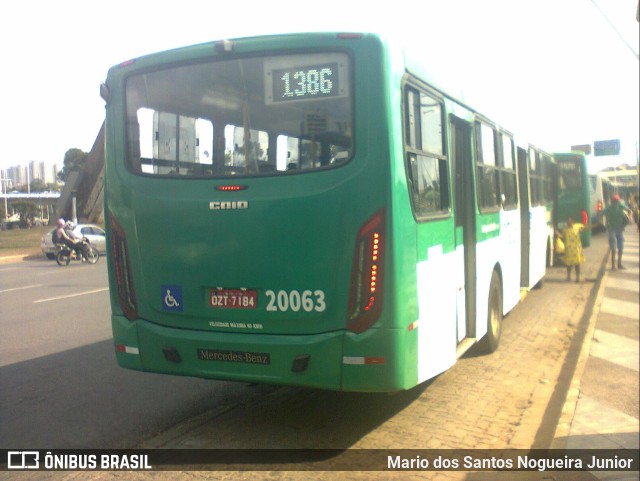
[
  {"x": 508, "y": 180},
  {"x": 488, "y": 195},
  {"x": 427, "y": 166},
  {"x": 540, "y": 172},
  {"x": 427, "y": 186},
  {"x": 534, "y": 177},
  {"x": 547, "y": 179}
]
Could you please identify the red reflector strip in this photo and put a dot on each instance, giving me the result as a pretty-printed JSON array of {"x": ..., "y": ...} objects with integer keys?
[
  {"x": 231, "y": 188},
  {"x": 353, "y": 360},
  {"x": 127, "y": 349},
  {"x": 374, "y": 360}
]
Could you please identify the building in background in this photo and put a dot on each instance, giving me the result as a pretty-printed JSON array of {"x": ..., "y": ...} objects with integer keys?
[{"x": 21, "y": 175}]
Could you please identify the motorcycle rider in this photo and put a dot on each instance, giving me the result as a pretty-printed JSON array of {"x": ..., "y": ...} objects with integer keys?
[
  {"x": 60, "y": 236},
  {"x": 68, "y": 229}
]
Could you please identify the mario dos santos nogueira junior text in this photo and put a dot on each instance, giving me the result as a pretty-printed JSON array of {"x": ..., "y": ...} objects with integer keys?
[{"x": 606, "y": 461}]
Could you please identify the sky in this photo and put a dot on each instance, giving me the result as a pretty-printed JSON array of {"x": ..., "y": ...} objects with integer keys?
[{"x": 560, "y": 72}]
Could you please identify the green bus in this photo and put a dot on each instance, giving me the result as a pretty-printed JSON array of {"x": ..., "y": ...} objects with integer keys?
[
  {"x": 573, "y": 192},
  {"x": 309, "y": 209}
]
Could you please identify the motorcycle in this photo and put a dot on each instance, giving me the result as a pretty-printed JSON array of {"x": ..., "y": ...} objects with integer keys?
[{"x": 88, "y": 253}]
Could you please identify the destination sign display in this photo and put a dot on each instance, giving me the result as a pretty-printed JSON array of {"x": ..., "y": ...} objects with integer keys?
[
  {"x": 313, "y": 81},
  {"x": 303, "y": 78}
]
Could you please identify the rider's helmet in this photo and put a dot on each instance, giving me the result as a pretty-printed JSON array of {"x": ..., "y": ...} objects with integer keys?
[
  {"x": 60, "y": 222},
  {"x": 69, "y": 225}
]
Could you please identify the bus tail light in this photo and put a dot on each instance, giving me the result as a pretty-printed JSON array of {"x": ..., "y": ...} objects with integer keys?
[
  {"x": 122, "y": 268},
  {"x": 365, "y": 300},
  {"x": 585, "y": 217},
  {"x": 599, "y": 206}
]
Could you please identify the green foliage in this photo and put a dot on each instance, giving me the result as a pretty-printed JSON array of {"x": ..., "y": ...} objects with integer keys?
[
  {"x": 38, "y": 185},
  {"x": 28, "y": 211},
  {"x": 74, "y": 159}
]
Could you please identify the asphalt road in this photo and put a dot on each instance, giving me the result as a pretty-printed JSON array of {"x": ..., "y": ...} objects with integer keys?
[{"x": 60, "y": 386}]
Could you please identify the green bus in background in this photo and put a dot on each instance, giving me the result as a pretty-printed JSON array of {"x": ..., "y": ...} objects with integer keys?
[
  {"x": 310, "y": 210},
  {"x": 573, "y": 192}
]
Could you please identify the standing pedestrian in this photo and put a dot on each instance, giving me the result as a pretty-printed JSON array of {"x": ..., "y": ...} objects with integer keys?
[
  {"x": 573, "y": 255},
  {"x": 615, "y": 214}
]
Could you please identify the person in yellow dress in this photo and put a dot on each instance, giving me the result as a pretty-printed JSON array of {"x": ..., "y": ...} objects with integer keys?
[{"x": 573, "y": 255}]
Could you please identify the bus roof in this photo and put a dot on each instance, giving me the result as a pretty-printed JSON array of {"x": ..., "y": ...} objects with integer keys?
[{"x": 405, "y": 56}]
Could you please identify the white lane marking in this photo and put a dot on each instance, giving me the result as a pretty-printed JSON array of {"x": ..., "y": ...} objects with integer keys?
[
  {"x": 616, "y": 349},
  {"x": 20, "y": 288},
  {"x": 71, "y": 295},
  {"x": 619, "y": 307}
]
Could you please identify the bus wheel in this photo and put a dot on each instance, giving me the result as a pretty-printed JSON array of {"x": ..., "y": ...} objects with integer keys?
[{"x": 494, "y": 316}]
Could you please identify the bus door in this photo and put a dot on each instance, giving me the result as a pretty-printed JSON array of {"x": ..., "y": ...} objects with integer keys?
[
  {"x": 525, "y": 219},
  {"x": 465, "y": 226}
]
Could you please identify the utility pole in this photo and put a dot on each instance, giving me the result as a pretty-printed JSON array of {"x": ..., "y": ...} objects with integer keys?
[{"x": 4, "y": 180}]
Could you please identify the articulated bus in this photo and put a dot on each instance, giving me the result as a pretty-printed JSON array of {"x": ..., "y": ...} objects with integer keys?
[
  {"x": 311, "y": 210},
  {"x": 573, "y": 192}
]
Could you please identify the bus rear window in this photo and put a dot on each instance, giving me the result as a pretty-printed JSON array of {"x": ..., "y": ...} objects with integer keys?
[
  {"x": 249, "y": 117},
  {"x": 569, "y": 174}
]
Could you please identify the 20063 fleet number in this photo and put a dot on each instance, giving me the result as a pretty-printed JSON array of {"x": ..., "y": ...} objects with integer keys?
[{"x": 295, "y": 301}]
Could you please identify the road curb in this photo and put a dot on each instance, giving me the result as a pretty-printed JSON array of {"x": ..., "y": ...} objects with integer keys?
[{"x": 10, "y": 259}]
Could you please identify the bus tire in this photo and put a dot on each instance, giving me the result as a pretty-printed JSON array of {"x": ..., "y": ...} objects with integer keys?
[{"x": 491, "y": 340}]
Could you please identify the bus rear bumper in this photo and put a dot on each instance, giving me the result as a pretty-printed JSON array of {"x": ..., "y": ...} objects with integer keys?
[
  {"x": 309, "y": 360},
  {"x": 313, "y": 360}
]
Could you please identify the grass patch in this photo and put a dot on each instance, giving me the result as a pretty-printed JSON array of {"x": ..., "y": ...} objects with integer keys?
[{"x": 22, "y": 241}]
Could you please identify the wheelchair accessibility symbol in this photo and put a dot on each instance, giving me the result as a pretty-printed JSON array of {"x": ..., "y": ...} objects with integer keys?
[
  {"x": 171, "y": 298},
  {"x": 170, "y": 301}
]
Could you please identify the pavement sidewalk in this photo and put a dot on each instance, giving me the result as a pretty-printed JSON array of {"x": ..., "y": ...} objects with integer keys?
[{"x": 602, "y": 407}]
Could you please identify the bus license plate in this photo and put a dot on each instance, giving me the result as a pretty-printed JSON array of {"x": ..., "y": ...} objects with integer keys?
[{"x": 233, "y": 298}]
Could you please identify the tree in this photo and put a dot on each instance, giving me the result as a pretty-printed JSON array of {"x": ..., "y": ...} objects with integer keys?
[
  {"x": 28, "y": 211},
  {"x": 74, "y": 159},
  {"x": 38, "y": 185}
]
